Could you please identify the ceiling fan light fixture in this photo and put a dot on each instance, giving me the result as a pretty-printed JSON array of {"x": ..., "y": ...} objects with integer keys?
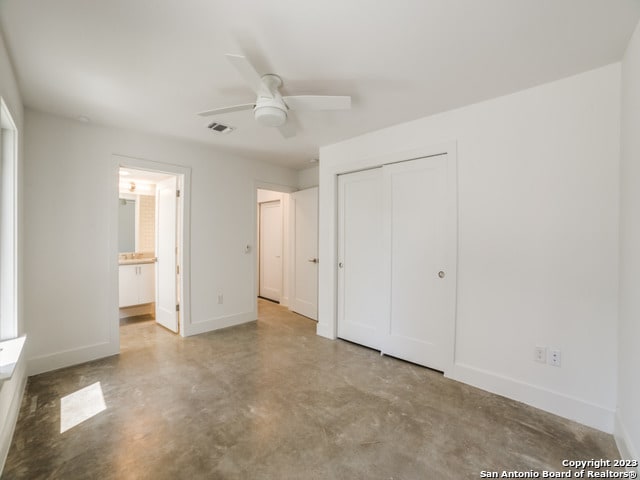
[
  {"x": 270, "y": 108},
  {"x": 270, "y": 116}
]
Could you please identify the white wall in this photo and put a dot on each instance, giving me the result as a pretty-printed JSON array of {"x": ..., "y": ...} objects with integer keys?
[
  {"x": 268, "y": 196},
  {"x": 11, "y": 391},
  {"x": 537, "y": 237},
  {"x": 71, "y": 192},
  {"x": 628, "y": 415},
  {"x": 308, "y": 177}
]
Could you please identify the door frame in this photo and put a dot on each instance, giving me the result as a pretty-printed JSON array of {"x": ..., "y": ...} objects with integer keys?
[
  {"x": 183, "y": 175},
  {"x": 328, "y": 225}
]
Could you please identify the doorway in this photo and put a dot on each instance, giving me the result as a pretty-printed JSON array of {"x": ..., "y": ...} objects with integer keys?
[
  {"x": 287, "y": 249},
  {"x": 150, "y": 245},
  {"x": 273, "y": 245}
]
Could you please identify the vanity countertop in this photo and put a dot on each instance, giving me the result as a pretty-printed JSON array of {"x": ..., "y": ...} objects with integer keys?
[{"x": 137, "y": 261}]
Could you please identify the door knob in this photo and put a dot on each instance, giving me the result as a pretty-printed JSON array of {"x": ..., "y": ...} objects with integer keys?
[
  {"x": 441, "y": 274},
  {"x": 340, "y": 264},
  {"x": 313, "y": 260}
]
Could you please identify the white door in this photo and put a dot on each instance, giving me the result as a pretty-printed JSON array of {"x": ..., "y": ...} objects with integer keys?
[
  {"x": 420, "y": 238},
  {"x": 362, "y": 298},
  {"x": 305, "y": 252},
  {"x": 271, "y": 250},
  {"x": 166, "y": 241}
]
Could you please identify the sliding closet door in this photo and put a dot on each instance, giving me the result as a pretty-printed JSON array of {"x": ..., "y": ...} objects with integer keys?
[
  {"x": 362, "y": 297},
  {"x": 420, "y": 240}
]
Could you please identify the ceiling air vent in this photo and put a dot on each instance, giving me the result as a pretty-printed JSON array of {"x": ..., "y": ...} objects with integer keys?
[{"x": 220, "y": 128}]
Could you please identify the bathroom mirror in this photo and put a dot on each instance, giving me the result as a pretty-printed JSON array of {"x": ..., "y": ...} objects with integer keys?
[{"x": 126, "y": 225}]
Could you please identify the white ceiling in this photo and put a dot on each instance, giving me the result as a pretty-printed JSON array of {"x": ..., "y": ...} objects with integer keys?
[{"x": 151, "y": 64}]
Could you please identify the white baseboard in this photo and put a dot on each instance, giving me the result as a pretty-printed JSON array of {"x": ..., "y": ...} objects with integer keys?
[
  {"x": 219, "y": 322},
  {"x": 16, "y": 387},
  {"x": 625, "y": 445},
  {"x": 67, "y": 358},
  {"x": 573, "y": 408}
]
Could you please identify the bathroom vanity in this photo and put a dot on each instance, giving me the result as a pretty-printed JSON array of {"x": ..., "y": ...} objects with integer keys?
[{"x": 136, "y": 281}]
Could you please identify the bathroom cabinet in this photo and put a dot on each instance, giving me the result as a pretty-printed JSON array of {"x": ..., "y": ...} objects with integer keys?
[{"x": 137, "y": 284}]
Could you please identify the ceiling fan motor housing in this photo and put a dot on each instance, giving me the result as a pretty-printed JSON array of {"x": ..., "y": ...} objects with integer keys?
[
  {"x": 270, "y": 110},
  {"x": 270, "y": 113}
]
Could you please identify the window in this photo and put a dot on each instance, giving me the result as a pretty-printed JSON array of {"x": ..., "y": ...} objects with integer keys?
[{"x": 8, "y": 224}]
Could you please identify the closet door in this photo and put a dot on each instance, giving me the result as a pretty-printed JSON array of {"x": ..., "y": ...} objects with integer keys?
[
  {"x": 271, "y": 250},
  {"x": 362, "y": 298},
  {"x": 420, "y": 241}
]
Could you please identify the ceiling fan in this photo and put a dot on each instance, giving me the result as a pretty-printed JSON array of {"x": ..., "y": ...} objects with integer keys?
[{"x": 270, "y": 107}]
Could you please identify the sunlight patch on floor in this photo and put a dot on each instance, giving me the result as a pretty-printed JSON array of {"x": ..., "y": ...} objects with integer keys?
[{"x": 81, "y": 405}]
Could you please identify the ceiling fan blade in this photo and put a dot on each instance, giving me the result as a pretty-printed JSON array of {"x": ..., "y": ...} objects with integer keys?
[
  {"x": 318, "y": 102},
  {"x": 287, "y": 130},
  {"x": 234, "y": 108},
  {"x": 246, "y": 70}
]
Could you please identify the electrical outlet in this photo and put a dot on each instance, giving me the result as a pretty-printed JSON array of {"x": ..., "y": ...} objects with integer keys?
[
  {"x": 220, "y": 299},
  {"x": 540, "y": 354},
  {"x": 555, "y": 358}
]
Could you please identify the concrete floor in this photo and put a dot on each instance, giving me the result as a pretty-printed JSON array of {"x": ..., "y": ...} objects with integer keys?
[{"x": 271, "y": 400}]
